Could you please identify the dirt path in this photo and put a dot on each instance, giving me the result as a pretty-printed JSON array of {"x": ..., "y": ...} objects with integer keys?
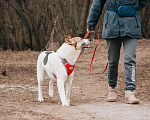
[
  {"x": 89, "y": 111},
  {"x": 18, "y": 89}
]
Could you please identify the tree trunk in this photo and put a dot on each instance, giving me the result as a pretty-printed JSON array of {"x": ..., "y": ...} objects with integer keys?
[
  {"x": 82, "y": 27},
  {"x": 62, "y": 14},
  {"x": 146, "y": 22},
  {"x": 76, "y": 14}
]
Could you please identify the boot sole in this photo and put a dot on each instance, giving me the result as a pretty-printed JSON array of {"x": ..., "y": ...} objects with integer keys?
[
  {"x": 134, "y": 102},
  {"x": 111, "y": 100}
]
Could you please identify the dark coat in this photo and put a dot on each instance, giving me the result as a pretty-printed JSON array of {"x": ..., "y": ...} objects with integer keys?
[{"x": 113, "y": 24}]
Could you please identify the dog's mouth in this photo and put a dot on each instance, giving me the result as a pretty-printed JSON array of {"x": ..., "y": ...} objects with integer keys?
[{"x": 85, "y": 46}]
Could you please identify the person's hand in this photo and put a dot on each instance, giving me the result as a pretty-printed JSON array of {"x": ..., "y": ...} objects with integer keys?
[{"x": 91, "y": 31}]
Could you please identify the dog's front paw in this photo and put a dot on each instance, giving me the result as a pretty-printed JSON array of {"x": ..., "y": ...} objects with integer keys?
[
  {"x": 65, "y": 104},
  {"x": 40, "y": 99}
]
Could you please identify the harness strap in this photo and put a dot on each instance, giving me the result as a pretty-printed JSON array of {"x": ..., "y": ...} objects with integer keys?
[
  {"x": 54, "y": 75},
  {"x": 69, "y": 68}
]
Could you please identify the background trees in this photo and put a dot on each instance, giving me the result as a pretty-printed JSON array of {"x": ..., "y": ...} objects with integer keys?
[{"x": 37, "y": 24}]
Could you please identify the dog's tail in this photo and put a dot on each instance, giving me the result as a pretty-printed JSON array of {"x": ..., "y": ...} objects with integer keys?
[{"x": 40, "y": 70}]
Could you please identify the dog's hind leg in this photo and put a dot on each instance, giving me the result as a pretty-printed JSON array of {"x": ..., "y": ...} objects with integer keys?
[
  {"x": 68, "y": 88},
  {"x": 51, "y": 88},
  {"x": 61, "y": 90},
  {"x": 40, "y": 77}
]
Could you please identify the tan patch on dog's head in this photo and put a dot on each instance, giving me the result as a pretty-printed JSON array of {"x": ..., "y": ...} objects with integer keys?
[{"x": 69, "y": 40}]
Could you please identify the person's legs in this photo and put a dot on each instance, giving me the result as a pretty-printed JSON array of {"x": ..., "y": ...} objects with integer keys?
[
  {"x": 130, "y": 69},
  {"x": 129, "y": 62},
  {"x": 114, "y": 46}
]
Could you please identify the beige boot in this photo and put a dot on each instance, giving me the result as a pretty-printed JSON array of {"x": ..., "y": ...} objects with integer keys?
[
  {"x": 112, "y": 96},
  {"x": 130, "y": 97}
]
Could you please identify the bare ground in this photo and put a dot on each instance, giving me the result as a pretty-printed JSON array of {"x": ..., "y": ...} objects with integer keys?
[{"x": 18, "y": 89}]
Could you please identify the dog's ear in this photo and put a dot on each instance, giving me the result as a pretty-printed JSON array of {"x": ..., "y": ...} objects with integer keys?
[
  {"x": 68, "y": 39},
  {"x": 69, "y": 36}
]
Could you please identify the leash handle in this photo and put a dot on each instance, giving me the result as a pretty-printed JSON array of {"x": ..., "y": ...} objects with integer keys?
[{"x": 93, "y": 59}]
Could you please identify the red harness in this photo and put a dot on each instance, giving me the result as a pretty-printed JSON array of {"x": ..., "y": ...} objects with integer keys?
[{"x": 69, "y": 67}]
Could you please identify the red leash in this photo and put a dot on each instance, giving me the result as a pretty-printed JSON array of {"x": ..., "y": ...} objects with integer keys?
[
  {"x": 94, "y": 55},
  {"x": 84, "y": 38},
  {"x": 87, "y": 34}
]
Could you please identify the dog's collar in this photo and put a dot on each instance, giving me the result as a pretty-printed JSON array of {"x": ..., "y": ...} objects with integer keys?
[{"x": 68, "y": 66}]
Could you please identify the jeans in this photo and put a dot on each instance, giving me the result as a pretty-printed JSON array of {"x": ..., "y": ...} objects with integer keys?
[{"x": 114, "y": 45}]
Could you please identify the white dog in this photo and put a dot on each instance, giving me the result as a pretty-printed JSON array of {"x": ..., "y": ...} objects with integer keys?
[{"x": 60, "y": 66}]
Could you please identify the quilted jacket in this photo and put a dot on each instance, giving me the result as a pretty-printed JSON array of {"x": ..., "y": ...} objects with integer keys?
[{"x": 113, "y": 24}]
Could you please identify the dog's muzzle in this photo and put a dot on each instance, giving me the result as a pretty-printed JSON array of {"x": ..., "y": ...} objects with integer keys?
[{"x": 85, "y": 44}]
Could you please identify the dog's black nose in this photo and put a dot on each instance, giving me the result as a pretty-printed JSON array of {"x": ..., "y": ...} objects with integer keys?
[{"x": 90, "y": 40}]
